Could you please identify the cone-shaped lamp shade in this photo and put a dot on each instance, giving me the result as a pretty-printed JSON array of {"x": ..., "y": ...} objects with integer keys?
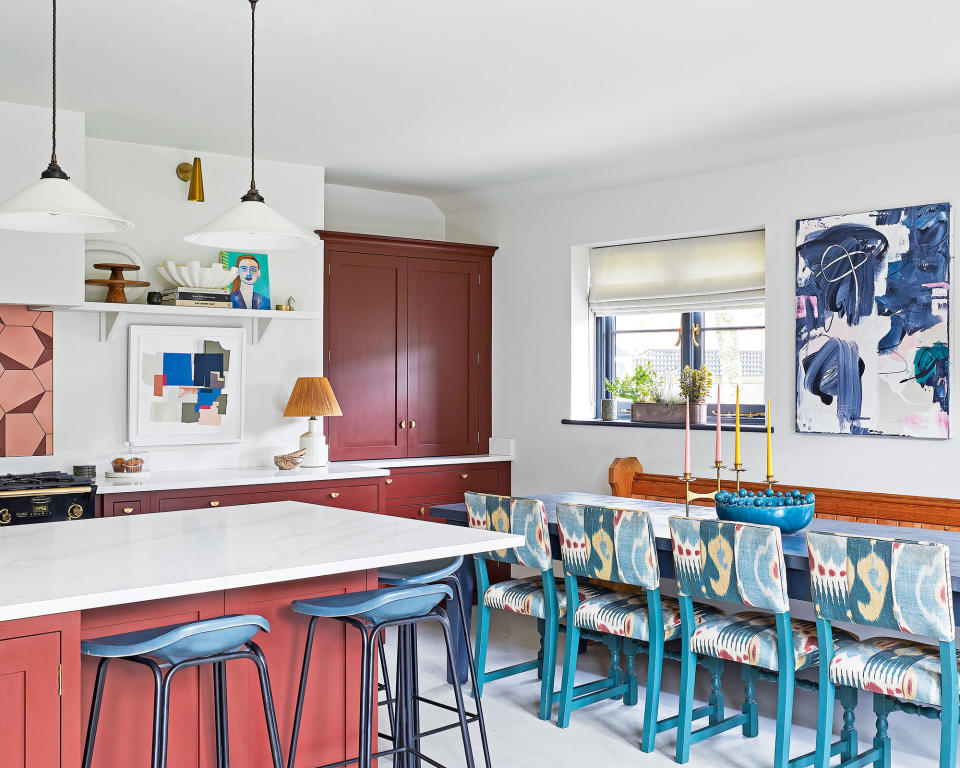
[
  {"x": 252, "y": 226},
  {"x": 195, "y": 193},
  {"x": 58, "y": 206},
  {"x": 312, "y": 396}
]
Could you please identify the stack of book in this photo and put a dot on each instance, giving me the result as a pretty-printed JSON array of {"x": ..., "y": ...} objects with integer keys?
[{"x": 197, "y": 297}]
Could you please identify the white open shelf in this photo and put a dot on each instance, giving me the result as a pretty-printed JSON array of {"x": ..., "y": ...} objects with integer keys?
[{"x": 261, "y": 319}]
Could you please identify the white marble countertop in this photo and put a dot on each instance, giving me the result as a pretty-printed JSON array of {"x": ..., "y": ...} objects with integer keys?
[
  {"x": 83, "y": 564},
  {"x": 432, "y": 461}
]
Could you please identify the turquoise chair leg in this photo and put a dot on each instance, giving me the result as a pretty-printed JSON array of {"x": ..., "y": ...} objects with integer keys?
[
  {"x": 651, "y": 704},
  {"x": 614, "y": 673},
  {"x": 550, "y": 637},
  {"x": 541, "y": 628},
  {"x": 882, "y": 707},
  {"x": 950, "y": 709},
  {"x": 632, "y": 696},
  {"x": 848, "y": 735},
  {"x": 825, "y": 697},
  {"x": 688, "y": 669},
  {"x": 716, "y": 691},
  {"x": 785, "y": 689},
  {"x": 483, "y": 625},
  {"x": 571, "y": 644},
  {"x": 751, "y": 725}
]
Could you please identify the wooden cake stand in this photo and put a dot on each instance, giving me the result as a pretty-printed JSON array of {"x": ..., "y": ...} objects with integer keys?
[{"x": 115, "y": 283}]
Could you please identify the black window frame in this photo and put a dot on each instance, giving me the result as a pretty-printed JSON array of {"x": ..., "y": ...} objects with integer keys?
[{"x": 691, "y": 324}]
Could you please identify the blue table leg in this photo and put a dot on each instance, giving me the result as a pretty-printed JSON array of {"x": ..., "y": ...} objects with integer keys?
[{"x": 465, "y": 575}]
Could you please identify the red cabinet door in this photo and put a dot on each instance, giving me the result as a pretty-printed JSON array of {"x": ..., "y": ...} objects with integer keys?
[
  {"x": 443, "y": 365},
  {"x": 365, "y": 310},
  {"x": 30, "y": 696}
]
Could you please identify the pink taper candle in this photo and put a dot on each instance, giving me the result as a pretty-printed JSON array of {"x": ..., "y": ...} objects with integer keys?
[
  {"x": 718, "y": 424},
  {"x": 686, "y": 442}
]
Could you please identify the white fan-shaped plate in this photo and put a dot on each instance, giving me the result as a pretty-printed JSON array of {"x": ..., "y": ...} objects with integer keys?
[{"x": 110, "y": 252}]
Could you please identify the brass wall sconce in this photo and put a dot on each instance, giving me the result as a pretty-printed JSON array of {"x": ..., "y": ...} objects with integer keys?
[{"x": 193, "y": 173}]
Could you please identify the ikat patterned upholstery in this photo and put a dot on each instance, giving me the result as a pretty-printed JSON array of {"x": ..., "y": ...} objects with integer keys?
[
  {"x": 751, "y": 638},
  {"x": 735, "y": 562},
  {"x": 525, "y": 596},
  {"x": 888, "y": 583},
  {"x": 611, "y": 544},
  {"x": 889, "y": 665},
  {"x": 526, "y": 517},
  {"x": 626, "y": 614}
]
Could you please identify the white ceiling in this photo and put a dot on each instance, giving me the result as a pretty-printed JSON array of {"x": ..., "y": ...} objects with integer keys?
[{"x": 446, "y": 96}]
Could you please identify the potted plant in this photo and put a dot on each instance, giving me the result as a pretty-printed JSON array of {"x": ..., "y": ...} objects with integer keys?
[
  {"x": 695, "y": 384},
  {"x": 636, "y": 387}
]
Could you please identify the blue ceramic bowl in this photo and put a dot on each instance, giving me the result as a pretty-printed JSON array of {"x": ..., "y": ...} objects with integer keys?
[{"x": 790, "y": 512}]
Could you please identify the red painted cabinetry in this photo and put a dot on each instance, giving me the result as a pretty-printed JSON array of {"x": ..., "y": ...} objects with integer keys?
[
  {"x": 407, "y": 334},
  {"x": 30, "y": 693}
]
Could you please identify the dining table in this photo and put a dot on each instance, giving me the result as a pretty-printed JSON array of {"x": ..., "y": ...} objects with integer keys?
[{"x": 794, "y": 544}]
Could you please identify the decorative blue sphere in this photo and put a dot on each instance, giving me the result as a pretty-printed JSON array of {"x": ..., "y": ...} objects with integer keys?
[{"x": 742, "y": 492}]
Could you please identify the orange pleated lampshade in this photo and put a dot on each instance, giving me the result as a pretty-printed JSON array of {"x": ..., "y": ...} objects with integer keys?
[{"x": 312, "y": 396}]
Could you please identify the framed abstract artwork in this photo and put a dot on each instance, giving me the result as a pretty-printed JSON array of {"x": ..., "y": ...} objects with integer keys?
[
  {"x": 186, "y": 385},
  {"x": 872, "y": 322}
]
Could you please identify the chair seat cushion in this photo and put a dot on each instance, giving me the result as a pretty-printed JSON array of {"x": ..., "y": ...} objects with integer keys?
[
  {"x": 751, "y": 638},
  {"x": 525, "y": 596},
  {"x": 889, "y": 665},
  {"x": 625, "y": 614}
]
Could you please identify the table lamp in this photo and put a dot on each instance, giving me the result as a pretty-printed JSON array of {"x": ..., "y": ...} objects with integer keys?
[{"x": 312, "y": 396}]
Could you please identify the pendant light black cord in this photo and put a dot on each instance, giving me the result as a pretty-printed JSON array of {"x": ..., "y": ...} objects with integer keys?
[
  {"x": 252, "y": 194},
  {"x": 53, "y": 170}
]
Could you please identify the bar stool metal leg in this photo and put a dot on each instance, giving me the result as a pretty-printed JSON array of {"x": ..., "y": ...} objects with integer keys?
[
  {"x": 220, "y": 714},
  {"x": 458, "y": 694},
  {"x": 269, "y": 713},
  {"x": 298, "y": 712},
  {"x": 386, "y": 685},
  {"x": 95, "y": 712},
  {"x": 157, "y": 705}
]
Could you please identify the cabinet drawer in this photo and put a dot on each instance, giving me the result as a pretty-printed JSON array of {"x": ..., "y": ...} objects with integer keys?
[
  {"x": 364, "y": 498},
  {"x": 413, "y": 511},
  {"x": 124, "y": 508},
  {"x": 211, "y": 500},
  {"x": 444, "y": 482}
]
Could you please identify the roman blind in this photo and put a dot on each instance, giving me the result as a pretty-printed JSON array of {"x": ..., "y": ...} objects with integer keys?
[{"x": 683, "y": 275}]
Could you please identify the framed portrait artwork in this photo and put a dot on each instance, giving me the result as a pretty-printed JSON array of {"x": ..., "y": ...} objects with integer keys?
[
  {"x": 251, "y": 287},
  {"x": 186, "y": 385}
]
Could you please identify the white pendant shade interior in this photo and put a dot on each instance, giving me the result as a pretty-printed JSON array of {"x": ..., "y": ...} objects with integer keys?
[
  {"x": 252, "y": 225},
  {"x": 53, "y": 204}
]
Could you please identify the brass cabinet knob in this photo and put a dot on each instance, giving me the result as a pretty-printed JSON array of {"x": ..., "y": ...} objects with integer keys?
[
  {"x": 334, "y": 494},
  {"x": 464, "y": 475},
  {"x": 403, "y": 424},
  {"x": 5, "y": 516},
  {"x": 388, "y": 480},
  {"x": 423, "y": 511},
  {"x": 127, "y": 510},
  {"x": 74, "y": 511},
  {"x": 413, "y": 424},
  {"x": 214, "y": 503}
]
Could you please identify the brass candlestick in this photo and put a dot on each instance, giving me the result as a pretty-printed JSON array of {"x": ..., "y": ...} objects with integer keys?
[
  {"x": 689, "y": 496},
  {"x": 738, "y": 468},
  {"x": 770, "y": 482},
  {"x": 718, "y": 465}
]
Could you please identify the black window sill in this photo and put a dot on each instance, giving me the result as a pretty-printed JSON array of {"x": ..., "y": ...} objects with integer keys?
[{"x": 653, "y": 425}]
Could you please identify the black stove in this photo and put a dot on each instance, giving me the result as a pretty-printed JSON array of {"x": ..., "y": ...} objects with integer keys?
[{"x": 45, "y": 497}]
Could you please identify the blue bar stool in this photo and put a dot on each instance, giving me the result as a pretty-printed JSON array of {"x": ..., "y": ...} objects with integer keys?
[
  {"x": 176, "y": 647},
  {"x": 372, "y": 612},
  {"x": 435, "y": 572}
]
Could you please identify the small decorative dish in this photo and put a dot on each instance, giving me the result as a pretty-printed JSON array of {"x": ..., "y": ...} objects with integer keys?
[
  {"x": 193, "y": 275},
  {"x": 790, "y": 512}
]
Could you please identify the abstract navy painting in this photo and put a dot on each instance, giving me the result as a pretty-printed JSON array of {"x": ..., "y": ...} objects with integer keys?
[{"x": 873, "y": 354}]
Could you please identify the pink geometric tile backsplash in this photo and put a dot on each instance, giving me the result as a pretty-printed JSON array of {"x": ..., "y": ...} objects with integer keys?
[{"x": 26, "y": 382}]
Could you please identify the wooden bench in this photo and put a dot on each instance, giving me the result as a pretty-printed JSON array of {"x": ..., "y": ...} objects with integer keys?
[{"x": 627, "y": 478}]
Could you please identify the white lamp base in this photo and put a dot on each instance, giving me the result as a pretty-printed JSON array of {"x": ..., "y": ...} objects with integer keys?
[{"x": 317, "y": 454}]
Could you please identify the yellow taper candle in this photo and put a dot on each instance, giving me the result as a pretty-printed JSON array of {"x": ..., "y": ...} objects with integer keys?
[
  {"x": 769, "y": 442},
  {"x": 736, "y": 436}
]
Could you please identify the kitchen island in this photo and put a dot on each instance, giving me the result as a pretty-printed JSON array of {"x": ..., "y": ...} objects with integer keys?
[{"x": 66, "y": 581}]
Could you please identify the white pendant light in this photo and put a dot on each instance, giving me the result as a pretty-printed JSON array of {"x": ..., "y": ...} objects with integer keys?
[
  {"x": 252, "y": 225},
  {"x": 53, "y": 204}
]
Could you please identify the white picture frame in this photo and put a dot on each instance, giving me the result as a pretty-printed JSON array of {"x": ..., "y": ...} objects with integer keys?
[{"x": 167, "y": 419}]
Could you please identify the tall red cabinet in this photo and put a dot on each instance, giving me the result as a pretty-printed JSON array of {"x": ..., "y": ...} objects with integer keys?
[{"x": 407, "y": 340}]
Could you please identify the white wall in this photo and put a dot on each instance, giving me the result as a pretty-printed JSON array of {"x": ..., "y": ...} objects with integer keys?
[
  {"x": 374, "y": 212},
  {"x": 535, "y": 296}
]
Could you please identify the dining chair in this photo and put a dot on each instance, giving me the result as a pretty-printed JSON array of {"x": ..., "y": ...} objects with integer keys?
[
  {"x": 891, "y": 584},
  {"x": 618, "y": 546},
  {"x": 741, "y": 563},
  {"x": 535, "y": 596}
]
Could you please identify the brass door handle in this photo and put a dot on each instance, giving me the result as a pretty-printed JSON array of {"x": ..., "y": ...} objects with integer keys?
[
  {"x": 413, "y": 424},
  {"x": 388, "y": 480},
  {"x": 423, "y": 511},
  {"x": 463, "y": 475},
  {"x": 214, "y": 503},
  {"x": 334, "y": 494},
  {"x": 127, "y": 510}
]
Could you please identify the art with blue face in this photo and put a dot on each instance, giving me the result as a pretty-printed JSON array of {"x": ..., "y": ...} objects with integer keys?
[
  {"x": 872, "y": 320},
  {"x": 251, "y": 288}
]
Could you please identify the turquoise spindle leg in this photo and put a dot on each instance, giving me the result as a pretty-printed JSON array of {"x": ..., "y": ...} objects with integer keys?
[
  {"x": 716, "y": 691},
  {"x": 614, "y": 674},
  {"x": 651, "y": 704},
  {"x": 752, "y": 725},
  {"x": 882, "y": 707},
  {"x": 541, "y": 628},
  {"x": 632, "y": 696},
  {"x": 571, "y": 645},
  {"x": 550, "y": 636},
  {"x": 483, "y": 624},
  {"x": 688, "y": 669},
  {"x": 950, "y": 710},
  {"x": 825, "y": 697},
  {"x": 785, "y": 686},
  {"x": 848, "y": 735}
]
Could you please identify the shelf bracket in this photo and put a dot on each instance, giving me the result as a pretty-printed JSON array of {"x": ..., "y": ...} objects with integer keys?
[
  {"x": 260, "y": 328},
  {"x": 108, "y": 325}
]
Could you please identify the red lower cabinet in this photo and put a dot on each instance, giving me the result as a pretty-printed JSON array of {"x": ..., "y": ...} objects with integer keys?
[{"x": 30, "y": 699}]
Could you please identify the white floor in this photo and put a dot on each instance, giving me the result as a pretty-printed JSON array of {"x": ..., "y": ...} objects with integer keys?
[{"x": 608, "y": 733}]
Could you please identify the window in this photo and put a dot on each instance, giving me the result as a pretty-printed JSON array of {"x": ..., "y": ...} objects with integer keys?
[{"x": 730, "y": 342}]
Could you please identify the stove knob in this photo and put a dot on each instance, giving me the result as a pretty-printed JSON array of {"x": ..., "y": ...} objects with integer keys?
[
  {"x": 74, "y": 511},
  {"x": 5, "y": 516}
]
